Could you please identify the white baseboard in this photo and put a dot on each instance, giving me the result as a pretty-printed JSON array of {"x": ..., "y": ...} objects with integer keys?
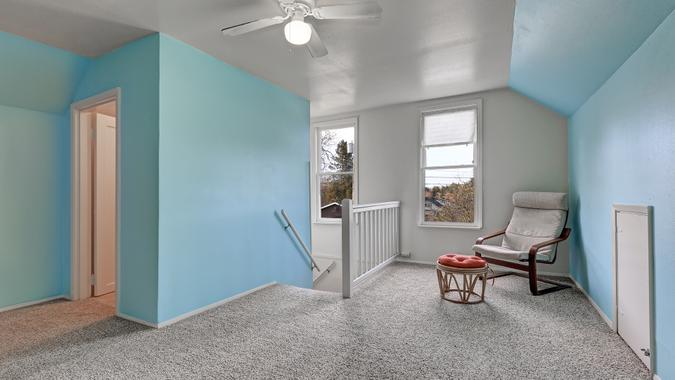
[
  {"x": 193, "y": 312},
  {"x": 213, "y": 305},
  {"x": 30, "y": 303},
  {"x": 406, "y": 260},
  {"x": 376, "y": 269},
  {"x": 136, "y": 320},
  {"x": 595, "y": 306}
]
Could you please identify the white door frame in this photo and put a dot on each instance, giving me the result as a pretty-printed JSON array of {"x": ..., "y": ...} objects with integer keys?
[
  {"x": 80, "y": 279},
  {"x": 647, "y": 211}
]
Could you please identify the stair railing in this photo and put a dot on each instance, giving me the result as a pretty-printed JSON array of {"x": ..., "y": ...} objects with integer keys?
[{"x": 370, "y": 240}]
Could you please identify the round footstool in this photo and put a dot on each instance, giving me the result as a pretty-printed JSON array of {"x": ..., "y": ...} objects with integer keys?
[{"x": 451, "y": 267}]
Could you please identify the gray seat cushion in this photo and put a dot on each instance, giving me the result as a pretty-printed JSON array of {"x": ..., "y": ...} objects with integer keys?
[
  {"x": 537, "y": 217},
  {"x": 502, "y": 253}
]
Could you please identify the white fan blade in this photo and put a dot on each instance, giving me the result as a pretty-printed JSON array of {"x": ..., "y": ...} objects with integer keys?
[
  {"x": 362, "y": 10},
  {"x": 252, "y": 26},
  {"x": 315, "y": 45}
]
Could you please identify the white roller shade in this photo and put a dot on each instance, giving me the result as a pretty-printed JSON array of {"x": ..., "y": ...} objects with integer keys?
[{"x": 451, "y": 127}]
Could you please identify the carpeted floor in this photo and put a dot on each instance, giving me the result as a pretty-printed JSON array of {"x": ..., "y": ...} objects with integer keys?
[
  {"x": 395, "y": 326},
  {"x": 28, "y": 329}
]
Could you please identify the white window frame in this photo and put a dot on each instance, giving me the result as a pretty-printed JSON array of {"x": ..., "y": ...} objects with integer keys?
[
  {"x": 317, "y": 127},
  {"x": 476, "y": 104}
]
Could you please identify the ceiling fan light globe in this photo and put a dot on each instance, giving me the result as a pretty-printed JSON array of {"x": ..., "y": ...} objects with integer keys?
[{"x": 298, "y": 32}]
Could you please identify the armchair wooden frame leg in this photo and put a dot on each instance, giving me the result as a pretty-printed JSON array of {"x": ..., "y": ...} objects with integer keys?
[{"x": 531, "y": 275}]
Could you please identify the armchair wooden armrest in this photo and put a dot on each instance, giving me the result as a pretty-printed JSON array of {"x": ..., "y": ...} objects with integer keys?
[
  {"x": 481, "y": 239},
  {"x": 563, "y": 236}
]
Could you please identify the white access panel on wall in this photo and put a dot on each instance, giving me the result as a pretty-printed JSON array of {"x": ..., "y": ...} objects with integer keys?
[{"x": 633, "y": 278}]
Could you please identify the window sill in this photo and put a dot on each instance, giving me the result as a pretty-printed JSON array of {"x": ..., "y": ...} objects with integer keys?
[{"x": 451, "y": 226}]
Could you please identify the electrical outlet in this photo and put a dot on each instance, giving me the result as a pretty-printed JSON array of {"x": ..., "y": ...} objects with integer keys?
[{"x": 406, "y": 254}]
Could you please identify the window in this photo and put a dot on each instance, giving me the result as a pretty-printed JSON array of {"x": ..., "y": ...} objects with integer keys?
[
  {"x": 334, "y": 167},
  {"x": 450, "y": 178}
]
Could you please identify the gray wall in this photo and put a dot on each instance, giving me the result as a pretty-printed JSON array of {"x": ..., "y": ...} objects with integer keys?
[{"x": 524, "y": 148}]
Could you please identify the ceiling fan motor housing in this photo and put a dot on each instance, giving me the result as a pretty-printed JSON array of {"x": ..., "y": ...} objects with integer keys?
[
  {"x": 292, "y": 7},
  {"x": 309, "y": 3}
]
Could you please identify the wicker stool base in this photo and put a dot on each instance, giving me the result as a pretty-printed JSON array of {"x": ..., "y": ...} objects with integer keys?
[{"x": 466, "y": 292}]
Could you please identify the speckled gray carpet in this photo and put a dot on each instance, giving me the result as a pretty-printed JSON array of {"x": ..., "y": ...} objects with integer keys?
[{"x": 395, "y": 326}]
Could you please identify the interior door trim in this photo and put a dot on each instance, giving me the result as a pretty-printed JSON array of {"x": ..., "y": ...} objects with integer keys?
[{"x": 79, "y": 282}]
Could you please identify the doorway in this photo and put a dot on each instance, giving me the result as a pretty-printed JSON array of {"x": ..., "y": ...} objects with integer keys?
[{"x": 95, "y": 163}]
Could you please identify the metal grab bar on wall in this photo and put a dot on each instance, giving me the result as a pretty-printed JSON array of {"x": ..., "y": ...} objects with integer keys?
[{"x": 297, "y": 236}]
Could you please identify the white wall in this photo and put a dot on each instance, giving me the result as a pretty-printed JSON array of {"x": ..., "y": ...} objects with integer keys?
[{"x": 524, "y": 148}]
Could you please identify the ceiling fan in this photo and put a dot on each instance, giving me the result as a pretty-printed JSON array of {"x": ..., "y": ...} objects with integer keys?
[{"x": 299, "y": 32}]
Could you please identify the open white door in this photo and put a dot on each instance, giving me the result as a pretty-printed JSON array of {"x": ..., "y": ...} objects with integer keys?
[
  {"x": 633, "y": 279},
  {"x": 85, "y": 212},
  {"x": 105, "y": 223}
]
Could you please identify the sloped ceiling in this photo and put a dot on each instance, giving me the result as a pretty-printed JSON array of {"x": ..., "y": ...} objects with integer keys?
[
  {"x": 419, "y": 50},
  {"x": 563, "y": 51},
  {"x": 37, "y": 76}
]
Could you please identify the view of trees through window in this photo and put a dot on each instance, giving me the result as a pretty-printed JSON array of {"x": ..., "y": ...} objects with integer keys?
[
  {"x": 450, "y": 203},
  {"x": 336, "y": 170}
]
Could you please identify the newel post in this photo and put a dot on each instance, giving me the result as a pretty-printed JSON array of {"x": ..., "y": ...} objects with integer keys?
[{"x": 347, "y": 222}]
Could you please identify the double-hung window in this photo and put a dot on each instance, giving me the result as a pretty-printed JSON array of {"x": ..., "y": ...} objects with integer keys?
[
  {"x": 450, "y": 171},
  {"x": 334, "y": 168}
]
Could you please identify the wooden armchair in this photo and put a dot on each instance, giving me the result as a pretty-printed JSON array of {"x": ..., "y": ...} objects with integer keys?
[{"x": 532, "y": 236}]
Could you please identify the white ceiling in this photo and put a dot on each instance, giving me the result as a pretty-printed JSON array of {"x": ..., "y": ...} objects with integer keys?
[{"x": 419, "y": 50}]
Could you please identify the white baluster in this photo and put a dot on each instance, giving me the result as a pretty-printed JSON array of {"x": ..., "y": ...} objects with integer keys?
[
  {"x": 362, "y": 243},
  {"x": 398, "y": 230},
  {"x": 378, "y": 239},
  {"x": 384, "y": 235},
  {"x": 357, "y": 218},
  {"x": 371, "y": 248},
  {"x": 383, "y": 231},
  {"x": 390, "y": 233}
]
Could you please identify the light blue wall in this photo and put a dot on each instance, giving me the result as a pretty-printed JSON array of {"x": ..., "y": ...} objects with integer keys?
[
  {"x": 563, "y": 51},
  {"x": 622, "y": 150},
  {"x": 35, "y": 167},
  {"x": 37, "y": 76},
  {"x": 37, "y": 85},
  {"x": 34, "y": 198},
  {"x": 135, "y": 69},
  {"x": 233, "y": 149}
]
